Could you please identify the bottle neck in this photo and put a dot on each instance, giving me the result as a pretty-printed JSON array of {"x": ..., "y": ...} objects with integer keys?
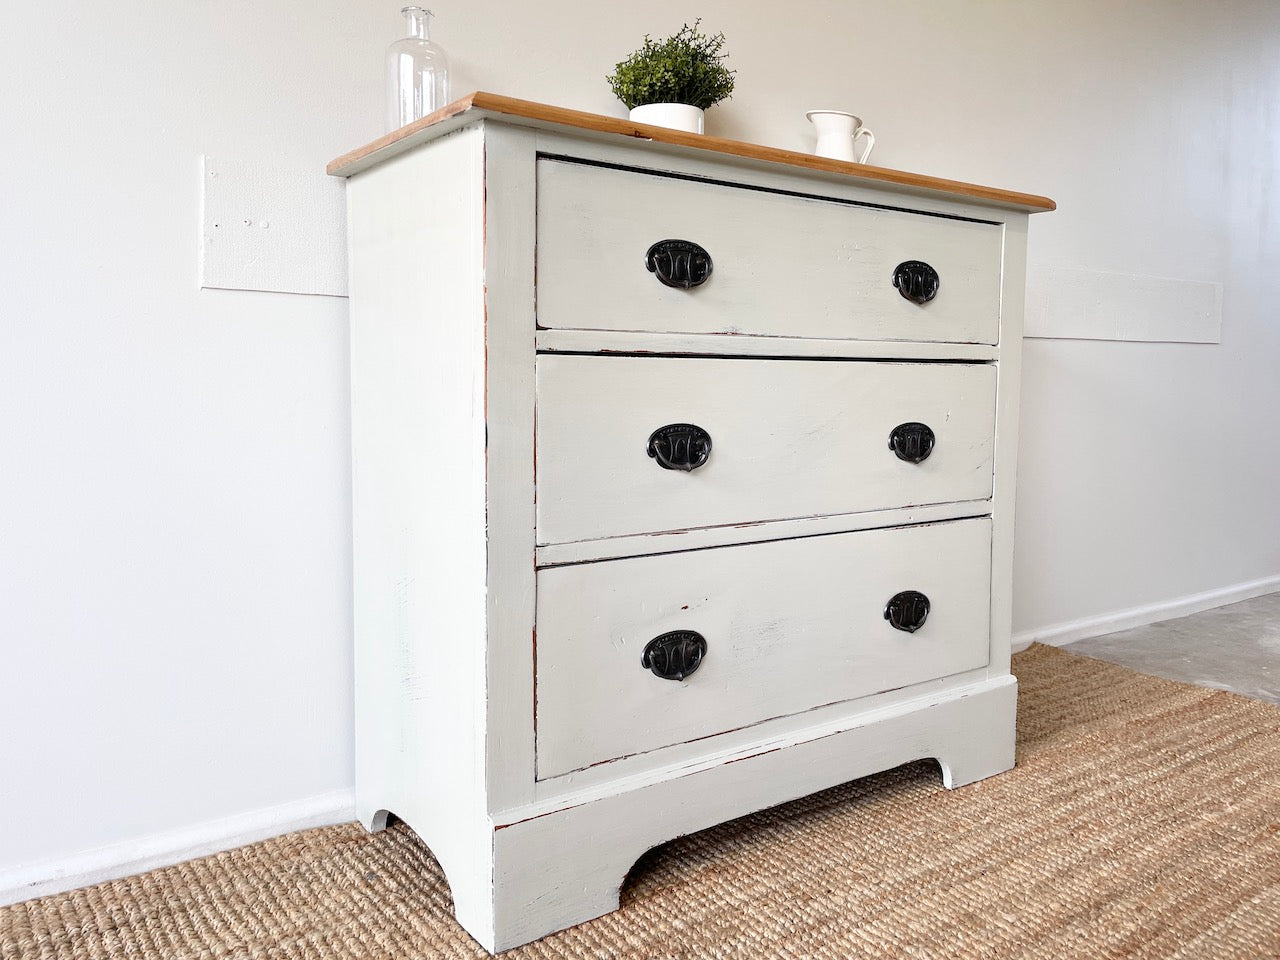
[{"x": 417, "y": 19}]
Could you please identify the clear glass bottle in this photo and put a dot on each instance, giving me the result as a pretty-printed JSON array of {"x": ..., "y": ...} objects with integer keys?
[{"x": 417, "y": 72}]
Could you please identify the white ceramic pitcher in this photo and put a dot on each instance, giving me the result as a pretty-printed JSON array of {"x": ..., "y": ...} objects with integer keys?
[{"x": 837, "y": 133}]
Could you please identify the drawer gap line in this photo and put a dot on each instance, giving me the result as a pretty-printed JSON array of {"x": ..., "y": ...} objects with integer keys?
[
  {"x": 745, "y": 726},
  {"x": 743, "y": 543},
  {"x": 667, "y": 175},
  {"x": 677, "y": 354}
]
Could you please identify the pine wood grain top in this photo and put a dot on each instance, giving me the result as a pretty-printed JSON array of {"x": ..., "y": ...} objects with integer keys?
[{"x": 480, "y": 104}]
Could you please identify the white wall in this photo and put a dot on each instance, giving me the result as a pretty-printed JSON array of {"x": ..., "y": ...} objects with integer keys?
[
  {"x": 174, "y": 490},
  {"x": 174, "y": 534}
]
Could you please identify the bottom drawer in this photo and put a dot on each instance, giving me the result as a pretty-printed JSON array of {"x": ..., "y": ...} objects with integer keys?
[{"x": 788, "y": 626}]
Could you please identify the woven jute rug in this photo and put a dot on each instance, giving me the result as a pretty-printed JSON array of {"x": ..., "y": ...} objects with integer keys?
[{"x": 1142, "y": 820}]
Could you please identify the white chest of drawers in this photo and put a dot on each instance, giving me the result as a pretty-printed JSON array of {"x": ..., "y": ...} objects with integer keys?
[{"x": 683, "y": 486}]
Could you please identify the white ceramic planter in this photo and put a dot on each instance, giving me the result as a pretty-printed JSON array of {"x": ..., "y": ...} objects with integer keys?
[{"x": 676, "y": 116}]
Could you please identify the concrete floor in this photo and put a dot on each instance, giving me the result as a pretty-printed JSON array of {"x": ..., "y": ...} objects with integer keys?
[{"x": 1236, "y": 647}]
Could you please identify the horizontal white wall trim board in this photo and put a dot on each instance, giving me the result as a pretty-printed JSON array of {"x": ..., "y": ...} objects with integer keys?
[
  {"x": 1073, "y": 304},
  {"x": 174, "y": 846},
  {"x": 273, "y": 227},
  {"x": 1060, "y": 634}
]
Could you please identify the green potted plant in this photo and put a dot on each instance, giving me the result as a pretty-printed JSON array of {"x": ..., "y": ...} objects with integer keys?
[{"x": 671, "y": 82}]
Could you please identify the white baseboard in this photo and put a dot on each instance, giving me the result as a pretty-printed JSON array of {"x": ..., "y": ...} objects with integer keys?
[
  {"x": 163, "y": 849},
  {"x": 1060, "y": 634}
]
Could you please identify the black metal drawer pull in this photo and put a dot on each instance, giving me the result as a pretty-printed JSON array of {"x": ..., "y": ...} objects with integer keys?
[
  {"x": 680, "y": 446},
  {"x": 678, "y": 263},
  {"x": 912, "y": 442},
  {"x": 674, "y": 655},
  {"x": 907, "y": 610},
  {"x": 916, "y": 281}
]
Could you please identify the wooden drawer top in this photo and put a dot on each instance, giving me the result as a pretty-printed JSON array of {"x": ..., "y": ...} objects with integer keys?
[{"x": 480, "y": 105}]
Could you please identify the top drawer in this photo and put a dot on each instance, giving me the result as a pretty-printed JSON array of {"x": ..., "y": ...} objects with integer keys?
[{"x": 782, "y": 265}]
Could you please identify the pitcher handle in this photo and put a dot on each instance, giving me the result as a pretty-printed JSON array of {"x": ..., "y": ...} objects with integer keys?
[{"x": 871, "y": 142}]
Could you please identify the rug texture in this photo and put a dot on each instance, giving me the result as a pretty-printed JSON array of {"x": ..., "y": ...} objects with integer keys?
[{"x": 1142, "y": 820}]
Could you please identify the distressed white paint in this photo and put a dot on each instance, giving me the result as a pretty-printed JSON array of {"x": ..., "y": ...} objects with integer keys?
[
  {"x": 267, "y": 225},
  {"x": 692, "y": 163},
  {"x": 1077, "y": 304},
  {"x": 509, "y": 345},
  {"x": 418, "y": 489},
  {"x": 642, "y": 770},
  {"x": 449, "y": 653},
  {"x": 568, "y": 865},
  {"x": 789, "y": 439},
  {"x": 176, "y": 474},
  {"x": 1008, "y": 406},
  {"x": 740, "y": 345},
  {"x": 755, "y": 531},
  {"x": 783, "y": 265},
  {"x": 790, "y": 626}
]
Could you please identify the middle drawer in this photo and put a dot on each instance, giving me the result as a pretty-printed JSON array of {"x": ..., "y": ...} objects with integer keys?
[{"x": 786, "y": 438}]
